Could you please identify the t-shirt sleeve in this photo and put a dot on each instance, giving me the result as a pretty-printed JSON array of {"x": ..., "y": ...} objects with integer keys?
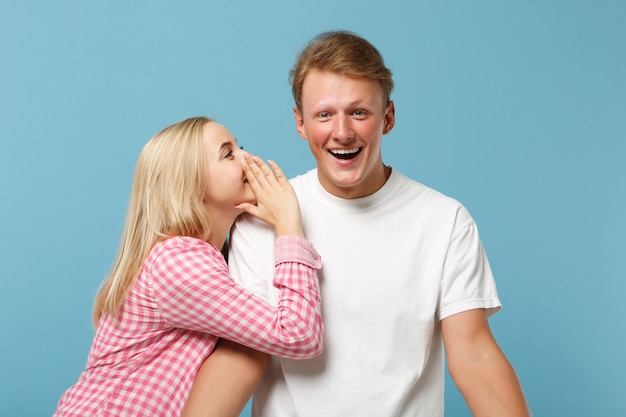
[
  {"x": 467, "y": 281},
  {"x": 251, "y": 256}
]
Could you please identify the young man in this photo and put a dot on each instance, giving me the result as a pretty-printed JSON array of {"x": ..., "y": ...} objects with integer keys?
[{"x": 404, "y": 272}]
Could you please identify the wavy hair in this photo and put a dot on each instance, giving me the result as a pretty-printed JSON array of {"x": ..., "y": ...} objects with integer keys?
[{"x": 344, "y": 53}]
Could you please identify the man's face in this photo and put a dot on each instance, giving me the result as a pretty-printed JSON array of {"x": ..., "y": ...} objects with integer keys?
[{"x": 343, "y": 119}]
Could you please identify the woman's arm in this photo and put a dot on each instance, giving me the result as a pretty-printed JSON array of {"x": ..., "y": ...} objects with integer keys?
[
  {"x": 191, "y": 286},
  {"x": 226, "y": 381},
  {"x": 192, "y": 289}
]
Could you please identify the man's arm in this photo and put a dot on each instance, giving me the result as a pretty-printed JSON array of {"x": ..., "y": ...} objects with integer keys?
[
  {"x": 226, "y": 381},
  {"x": 479, "y": 368}
]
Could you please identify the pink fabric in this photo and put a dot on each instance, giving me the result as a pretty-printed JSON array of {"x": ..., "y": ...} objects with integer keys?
[{"x": 183, "y": 301}]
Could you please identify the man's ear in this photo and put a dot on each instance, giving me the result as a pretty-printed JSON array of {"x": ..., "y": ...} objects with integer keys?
[
  {"x": 297, "y": 116},
  {"x": 390, "y": 118}
]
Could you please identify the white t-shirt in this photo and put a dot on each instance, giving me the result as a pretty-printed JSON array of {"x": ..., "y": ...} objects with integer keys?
[{"x": 394, "y": 264}]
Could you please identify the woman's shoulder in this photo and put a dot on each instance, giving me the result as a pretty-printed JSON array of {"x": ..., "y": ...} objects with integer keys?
[{"x": 181, "y": 244}]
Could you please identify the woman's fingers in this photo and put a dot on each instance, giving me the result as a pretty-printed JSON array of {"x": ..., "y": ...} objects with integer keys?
[
  {"x": 276, "y": 202},
  {"x": 249, "y": 208},
  {"x": 257, "y": 171},
  {"x": 278, "y": 173}
]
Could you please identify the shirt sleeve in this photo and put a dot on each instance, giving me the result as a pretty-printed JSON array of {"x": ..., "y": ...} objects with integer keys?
[
  {"x": 194, "y": 290},
  {"x": 467, "y": 281}
]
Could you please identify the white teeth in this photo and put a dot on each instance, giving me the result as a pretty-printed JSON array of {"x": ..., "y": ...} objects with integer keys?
[{"x": 344, "y": 151}]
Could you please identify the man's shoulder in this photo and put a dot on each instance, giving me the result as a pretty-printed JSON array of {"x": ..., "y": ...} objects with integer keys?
[
  {"x": 303, "y": 179},
  {"x": 411, "y": 188}
]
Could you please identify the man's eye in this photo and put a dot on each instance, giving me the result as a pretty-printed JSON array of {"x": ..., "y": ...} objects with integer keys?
[
  {"x": 360, "y": 113},
  {"x": 323, "y": 115}
]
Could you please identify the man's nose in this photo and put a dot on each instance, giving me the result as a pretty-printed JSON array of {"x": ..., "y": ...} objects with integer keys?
[{"x": 343, "y": 128}]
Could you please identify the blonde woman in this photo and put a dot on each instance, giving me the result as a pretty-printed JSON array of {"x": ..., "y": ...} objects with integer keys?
[{"x": 169, "y": 296}]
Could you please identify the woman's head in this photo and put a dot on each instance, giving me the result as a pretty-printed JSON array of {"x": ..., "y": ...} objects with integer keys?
[
  {"x": 344, "y": 53},
  {"x": 169, "y": 183}
]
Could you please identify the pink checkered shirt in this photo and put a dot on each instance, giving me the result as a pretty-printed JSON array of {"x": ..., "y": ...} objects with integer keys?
[{"x": 183, "y": 301}]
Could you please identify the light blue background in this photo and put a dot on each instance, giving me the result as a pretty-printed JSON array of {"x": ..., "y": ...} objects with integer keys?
[{"x": 517, "y": 109}]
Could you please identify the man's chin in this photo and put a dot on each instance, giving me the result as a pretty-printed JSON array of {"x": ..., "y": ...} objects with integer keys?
[{"x": 341, "y": 179}]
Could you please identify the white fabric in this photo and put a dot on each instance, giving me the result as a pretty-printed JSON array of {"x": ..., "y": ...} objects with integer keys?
[{"x": 393, "y": 265}]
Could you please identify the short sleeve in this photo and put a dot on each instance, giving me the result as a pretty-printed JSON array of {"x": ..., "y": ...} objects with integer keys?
[{"x": 467, "y": 281}]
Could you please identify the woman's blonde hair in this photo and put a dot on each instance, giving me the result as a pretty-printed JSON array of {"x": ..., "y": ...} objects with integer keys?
[{"x": 166, "y": 200}]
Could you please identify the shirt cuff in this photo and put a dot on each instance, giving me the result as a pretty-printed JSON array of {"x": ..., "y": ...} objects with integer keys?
[{"x": 289, "y": 248}]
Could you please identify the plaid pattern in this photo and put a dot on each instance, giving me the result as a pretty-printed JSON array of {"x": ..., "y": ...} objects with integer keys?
[{"x": 183, "y": 301}]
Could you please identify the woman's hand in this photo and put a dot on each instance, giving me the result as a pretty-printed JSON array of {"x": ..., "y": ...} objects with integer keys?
[{"x": 277, "y": 203}]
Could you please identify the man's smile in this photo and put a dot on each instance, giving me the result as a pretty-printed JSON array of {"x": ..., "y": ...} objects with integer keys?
[{"x": 345, "y": 153}]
